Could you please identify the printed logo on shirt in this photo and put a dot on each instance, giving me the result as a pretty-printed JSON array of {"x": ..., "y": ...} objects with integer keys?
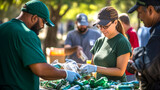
[{"x": 91, "y": 42}]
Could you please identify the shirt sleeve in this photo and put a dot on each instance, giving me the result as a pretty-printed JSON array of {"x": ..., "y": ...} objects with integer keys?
[
  {"x": 68, "y": 39},
  {"x": 123, "y": 47},
  {"x": 30, "y": 51}
]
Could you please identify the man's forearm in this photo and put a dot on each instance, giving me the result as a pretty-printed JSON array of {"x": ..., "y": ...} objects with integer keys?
[
  {"x": 70, "y": 50},
  {"x": 57, "y": 75},
  {"x": 46, "y": 71}
]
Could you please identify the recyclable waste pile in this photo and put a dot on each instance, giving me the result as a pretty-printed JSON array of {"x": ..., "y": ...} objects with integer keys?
[
  {"x": 82, "y": 84},
  {"x": 90, "y": 84}
]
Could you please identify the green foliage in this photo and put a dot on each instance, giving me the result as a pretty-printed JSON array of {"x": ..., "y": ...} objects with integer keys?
[
  {"x": 123, "y": 5},
  {"x": 89, "y": 7}
]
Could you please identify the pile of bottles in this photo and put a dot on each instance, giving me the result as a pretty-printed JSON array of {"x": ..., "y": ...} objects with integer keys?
[{"x": 90, "y": 84}]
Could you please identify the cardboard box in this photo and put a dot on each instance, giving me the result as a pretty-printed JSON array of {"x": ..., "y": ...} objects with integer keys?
[{"x": 55, "y": 54}]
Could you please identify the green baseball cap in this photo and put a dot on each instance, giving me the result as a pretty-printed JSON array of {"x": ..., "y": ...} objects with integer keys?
[{"x": 38, "y": 8}]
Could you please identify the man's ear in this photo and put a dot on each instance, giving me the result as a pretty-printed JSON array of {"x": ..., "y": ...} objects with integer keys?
[
  {"x": 150, "y": 9},
  {"x": 34, "y": 18}
]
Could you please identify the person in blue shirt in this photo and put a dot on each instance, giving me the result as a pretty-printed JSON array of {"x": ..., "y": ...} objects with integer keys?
[
  {"x": 143, "y": 36},
  {"x": 80, "y": 40}
]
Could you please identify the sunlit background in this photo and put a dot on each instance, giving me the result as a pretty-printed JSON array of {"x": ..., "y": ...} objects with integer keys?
[{"x": 63, "y": 15}]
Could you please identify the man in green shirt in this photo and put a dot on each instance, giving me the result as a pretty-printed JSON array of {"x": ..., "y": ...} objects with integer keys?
[{"x": 22, "y": 61}]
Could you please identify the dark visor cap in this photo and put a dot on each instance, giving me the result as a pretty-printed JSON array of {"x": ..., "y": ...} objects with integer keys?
[
  {"x": 106, "y": 15},
  {"x": 144, "y": 3}
]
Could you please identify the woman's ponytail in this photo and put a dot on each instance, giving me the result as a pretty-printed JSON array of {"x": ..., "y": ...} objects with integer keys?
[{"x": 120, "y": 28}]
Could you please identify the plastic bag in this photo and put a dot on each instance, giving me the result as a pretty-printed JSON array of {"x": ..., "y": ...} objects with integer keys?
[
  {"x": 71, "y": 65},
  {"x": 68, "y": 65}
]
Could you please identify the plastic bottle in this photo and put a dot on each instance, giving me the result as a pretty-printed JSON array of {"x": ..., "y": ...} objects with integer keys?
[
  {"x": 85, "y": 82},
  {"x": 75, "y": 87},
  {"x": 98, "y": 88},
  {"x": 78, "y": 83},
  {"x": 86, "y": 87},
  {"x": 83, "y": 56},
  {"x": 125, "y": 87},
  {"x": 66, "y": 87}
]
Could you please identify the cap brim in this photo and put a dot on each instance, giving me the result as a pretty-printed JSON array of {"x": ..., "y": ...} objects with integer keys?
[
  {"x": 82, "y": 23},
  {"x": 101, "y": 22},
  {"x": 49, "y": 23},
  {"x": 133, "y": 8}
]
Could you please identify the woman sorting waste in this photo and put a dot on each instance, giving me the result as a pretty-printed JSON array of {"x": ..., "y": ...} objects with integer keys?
[{"x": 111, "y": 52}]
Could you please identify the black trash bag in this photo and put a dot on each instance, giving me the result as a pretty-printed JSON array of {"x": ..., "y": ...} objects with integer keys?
[
  {"x": 150, "y": 78},
  {"x": 140, "y": 60}
]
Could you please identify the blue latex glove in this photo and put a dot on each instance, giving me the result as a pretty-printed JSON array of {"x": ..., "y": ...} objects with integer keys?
[
  {"x": 71, "y": 76},
  {"x": 88, "y": 68}
]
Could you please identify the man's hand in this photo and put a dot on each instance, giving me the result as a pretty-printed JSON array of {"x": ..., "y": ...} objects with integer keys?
[
  {"x": 88, "y": 68},
  {"x": 71, "y": 76}
]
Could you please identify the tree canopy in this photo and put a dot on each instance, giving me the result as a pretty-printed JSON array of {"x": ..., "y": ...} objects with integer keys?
[{"x": 63, "y": 10}]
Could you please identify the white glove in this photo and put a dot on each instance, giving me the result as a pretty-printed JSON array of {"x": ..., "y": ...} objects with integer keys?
[{"x": 88, "y": 68}]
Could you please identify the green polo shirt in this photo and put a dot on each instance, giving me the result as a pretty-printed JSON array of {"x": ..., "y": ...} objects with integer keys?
[
  {"x": 106, "y": 51},
  {"x": 19, "y": 48}
]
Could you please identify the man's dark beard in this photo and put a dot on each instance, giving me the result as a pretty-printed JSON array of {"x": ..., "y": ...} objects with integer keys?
[
  {"x": 82, "y": 30},
  {"x": 36, "y": 28}
]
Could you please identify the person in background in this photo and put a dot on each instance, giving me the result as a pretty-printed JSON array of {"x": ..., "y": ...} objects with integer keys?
[
  {"x": 112, "y": 52},
  {"x": 143, "y": 35},
  {"x": 1, "y": 22},
  {"x": 22, "y": 61},
  {"x": 70, "y": 25},
  {"x": 132, "y": 37},
  {"x": 81, "y": 39},
  {"x": 149, "y": 14}
]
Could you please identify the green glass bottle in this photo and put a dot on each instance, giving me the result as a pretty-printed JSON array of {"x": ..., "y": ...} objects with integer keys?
[
  {"x": 91, "y": 83},
  {"x": 85, "y": 82},
  {"x": 52, "y": 85},
  {"x": 106, "y": 85},
  {"x": 136, "y": 84},
  {"x": 42, "y": 83},
  {"x": 63, "y": 82},
  {"x": 101, "y": 82}
]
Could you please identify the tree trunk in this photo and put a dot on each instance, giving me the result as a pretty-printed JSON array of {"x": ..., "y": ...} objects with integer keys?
[{"x": 51, "y": 37}]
